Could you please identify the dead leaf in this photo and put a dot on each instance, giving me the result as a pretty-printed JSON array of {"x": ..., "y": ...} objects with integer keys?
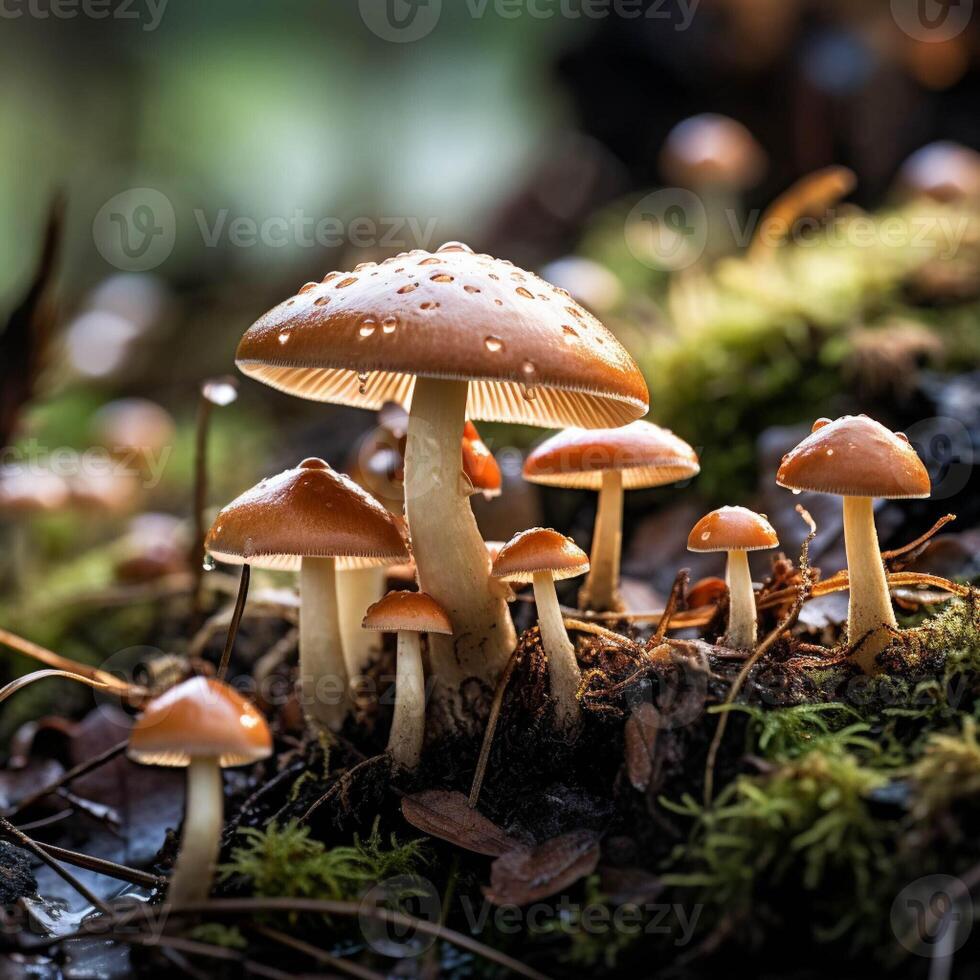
[
  {"x": 448, "y": 816},
  {"x": 640, "y": 742},
  {"x": 529, "y": 874}
]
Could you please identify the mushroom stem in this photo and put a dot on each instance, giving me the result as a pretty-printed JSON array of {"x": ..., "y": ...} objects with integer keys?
[
  {"x": 322, "y": 674},
  {"x": 563, "y": 669},
  {"x": 408, "y": 725},
  {"x": 741, "y": 602},
  {"x": 358, "y": 588},
  {"x": 201, "y": 837},
  {"x": 869, "y": 610},
  {"x": 451, "y": 558},
  {"x": 600, "y": 593}
]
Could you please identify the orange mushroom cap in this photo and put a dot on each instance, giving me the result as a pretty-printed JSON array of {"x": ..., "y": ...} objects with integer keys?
[
  {"x": 732, "y": 529},
  {"x": 480, "y": 467},
  {"x": 539, "y": 549},
  {"x": 531, "y": 353},
  {"x": 199, "y": 718},
  {"x": 647, "y": 455},
  {"x": 415, "y": 612},
  {"x": 854, "y": 456},
  {"x": 310, "y": 511}
]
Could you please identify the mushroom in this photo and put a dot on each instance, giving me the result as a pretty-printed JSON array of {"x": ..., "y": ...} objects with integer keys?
[
  {"x": 479, "y": 466},
  {"x": 543, "y": 556},
  {"x": 859, "y": 459},
  {"x": 944, "y": 171},
  {"x": 736, "y": 531},
  {"x": 26, "y": 491},
  {"x": 608, "y": 460},
  {"x": 204, "y": 725},
  {"x": 304, "y": 519},
  {"x": 718, "y": 159},
  {"x": 137, "y": 431},
  {"x": 453, "y": 335},
  {"x": 408, "y": 614}
]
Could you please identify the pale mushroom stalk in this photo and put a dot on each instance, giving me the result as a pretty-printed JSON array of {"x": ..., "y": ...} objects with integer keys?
[
  {"x": 741, "y": 633},
  {"x": 600, "y": 592},
  {"x": 452, "y": 561},
  {"x": 563, "y": 669},
  {"x": 323, "y": 675},
  {"x": 358, "y": 588},
  {"x": 201, "y": 837},
  {"x": 408, "y": 724},
  {"x": 869, "y": 612}
]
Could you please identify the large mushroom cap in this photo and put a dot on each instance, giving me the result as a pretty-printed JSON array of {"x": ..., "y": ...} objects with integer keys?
[
  {"x": 712, "y": 149},
  {"x": 854, "y": 456},
  {"x": 539, "y": 549},
  {"x": 532, "y": 353},
  {"x": 647, "y": 455},
  {"x": 199, "y": 718},
  {"x": 945, "y": 171},
  {"x": 732, "y": 529},
  {"x": 415, "y": 612},
  {"x": 310, "y": 511}
]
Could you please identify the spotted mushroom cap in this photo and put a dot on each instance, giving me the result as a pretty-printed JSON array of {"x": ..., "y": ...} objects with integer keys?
[
  {"x": 854, "y": 456},
  {"x": 310, "y": 511},
  {"x": 539, "y": 549},
  {"x": 712, "y": 149},
  {"x": 531, "y": 353},
  {"x": 199, "y": 718},
  {"x": 414, "y": 612},
  {"x": 648, "y": 456},
  {"x": 732, "y": 529}
]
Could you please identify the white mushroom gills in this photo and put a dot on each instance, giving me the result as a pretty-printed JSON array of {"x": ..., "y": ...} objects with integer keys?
[
  {"x": 563, "y": 669},
  {"x": 452, "y": 561}
]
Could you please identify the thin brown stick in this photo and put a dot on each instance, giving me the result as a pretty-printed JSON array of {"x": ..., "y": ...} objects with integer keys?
[
  {"x": 41, "y": 852},
  {"x": 763, "y": 648},
  {"x": 494, "y": 716},
  {"x": 342, "y": 782},
  {"x": 39, "y": 675},
  {"x": 196, "y": 555},
  {"x": 594, "y": 629},
  {"x": 104, "y": 867},
  {"x": 66, "y": 777},
  {"x": 676, "y": 591},
  {"x": 320, "y": 955},
  {"x": 236, "y": 618},
  {"x": 920, "y": 540}
]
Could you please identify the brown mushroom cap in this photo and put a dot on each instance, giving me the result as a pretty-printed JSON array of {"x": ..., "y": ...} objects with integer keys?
[
  {"x": 539, "y": 549},
  {"x": 415, "y": 612},
  {"x": 732, "y": 529},
  {"x": 854, "y": 456},
  {"x": 648, "y": 456},
  {"x": 199, "y": 718},
  {"x": 480, "y": 467},
  {"x": 532, "y": 354},
  {"x": 310, "y": 511},
  {"x": 712, "y": 149}
]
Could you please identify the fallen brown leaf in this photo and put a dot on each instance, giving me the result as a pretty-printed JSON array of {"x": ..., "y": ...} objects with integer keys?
[{"x": 448, "y": 816}]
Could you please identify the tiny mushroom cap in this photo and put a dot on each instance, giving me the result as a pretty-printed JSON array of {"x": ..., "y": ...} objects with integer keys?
[
  {"x": 944, "y": 170},
  {"x": 854, "y": 456},
  {"x": 199, "y": 718},
  {"x": 26, "y": 490},
  {"x": 529, "y": 351},
  {"x": 480, "y": 467},
  {"x": 732, "y": 529},
  {"x": 647, "y": 455},
  {"x": 310, "y": 511},
  {"x": 539, "y": 549},
  {"x": 712, "y": 149},
  {"x": 414, "y": 612}
]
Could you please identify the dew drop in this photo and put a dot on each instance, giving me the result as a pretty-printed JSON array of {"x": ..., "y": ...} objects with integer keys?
[
  {"x": 819, "y": 424},
  {"x": 529, "y": 370},
  {"x": 428, "y": 305},
  {"x": 705, "y": 535},
  {"x": 493, "y": 344},
  {"x": 411, "y": 287},
  {"x": 526, "y": 293},
  {"x": 321, "y": 301},
  {"x": 389, "y": 324},
  {"x": 499, "y": 302},
  {"x": 349, "y": 281},
  {"x": 569, "y": 335},
  {"x": 431, "y": 260},
  {"x": 209, "y": 562},
  {"x": 472, "y": 289},
  {"x": 283, "y": 337},
  {"x": 796, "y": 493},
  {"x": 455, "y": 247},
  {"x": 442, "y": 277},
  {"x": 368, "y": 326},
  {"x": 362, "y": 379},
  {"x": 529, "y": 393},
  {"x": 830, "y": 452},
  {"x": 902, "y": 436},
  {"x": 220, "y": 391},
  {"x": 308, "y": 287}
]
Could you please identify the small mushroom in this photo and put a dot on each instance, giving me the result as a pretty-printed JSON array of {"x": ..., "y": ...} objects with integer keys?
[
  {"x": 542, "y": 556},
  {"x": 479, "y": 466},
  {"x": 943, "y": 171},
  {"x": 859, "y": 459},
  {"x": 736, "y": 531},
  {"x": 204, "y": 726},
  {"x": 408, "y": 614},
  {"x": 630, "y": 457},
  {"x": 304, "y": 519}
]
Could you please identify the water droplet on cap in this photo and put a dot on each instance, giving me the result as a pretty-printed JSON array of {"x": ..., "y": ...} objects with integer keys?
[
  {"x": 493, "y": 344},
  {"x": 367, "y": 327}
]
